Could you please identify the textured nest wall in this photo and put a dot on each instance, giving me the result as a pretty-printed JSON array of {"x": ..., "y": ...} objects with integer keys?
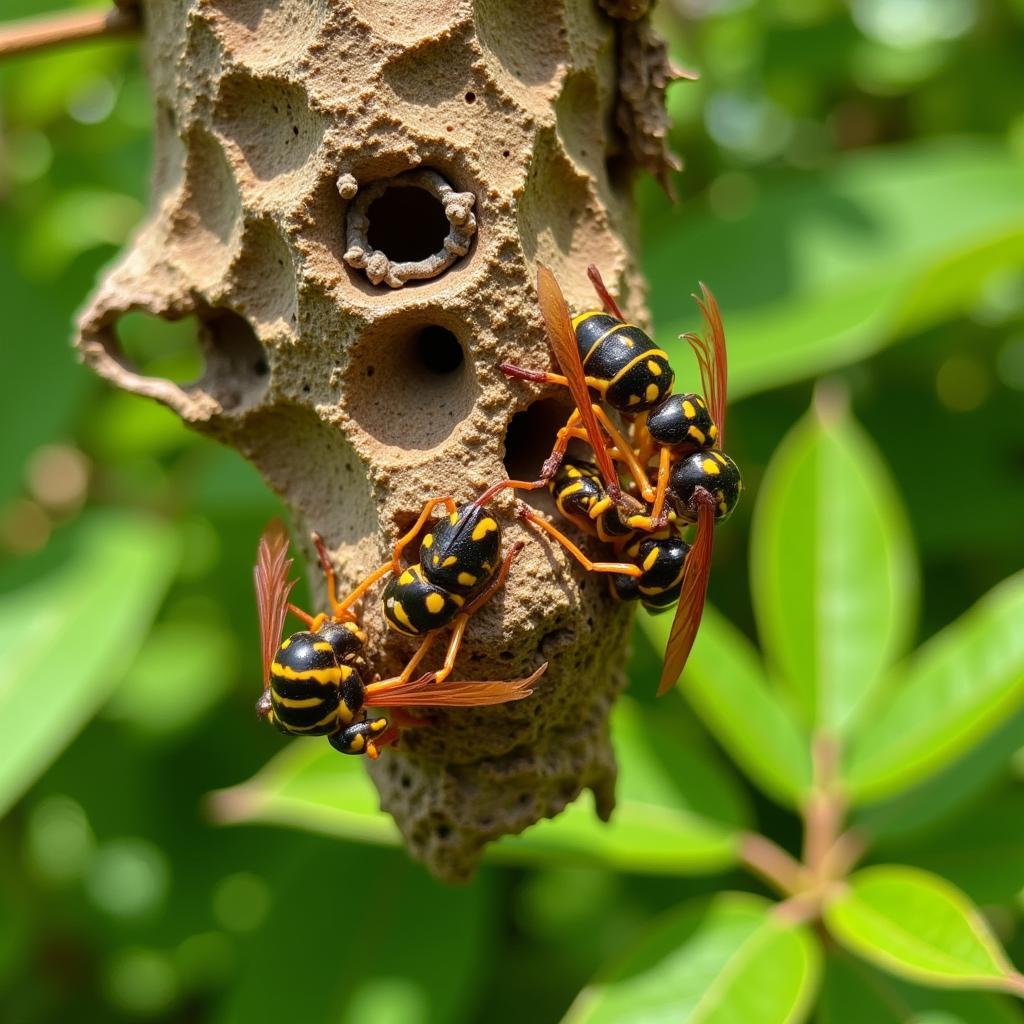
[{"x": 358, "y": 401}]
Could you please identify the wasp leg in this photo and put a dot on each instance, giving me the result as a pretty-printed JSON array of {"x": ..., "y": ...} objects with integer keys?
[
  {"x": 332, "y": 582},
  {"x": 405, "y": 540},
  {"x": 401, "y": 721},
  {"x": 629, "y": 456},
  {"x": 658, "y": 517},
  {"x": 410, "y": 667},
  {"x": 341, "y": 611},
  {"x": 478, "y": 602},
  {"x": 610, "y": 305},
  {"x": 314, "y": 622},
  {"x": 626, "y": 568}
]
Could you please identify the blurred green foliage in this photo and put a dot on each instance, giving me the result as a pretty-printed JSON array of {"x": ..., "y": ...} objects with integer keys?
[{"x": 853, "y": 194}]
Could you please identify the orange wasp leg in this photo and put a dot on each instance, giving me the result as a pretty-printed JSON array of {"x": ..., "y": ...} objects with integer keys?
[
  {"x": 340, "y": 609},
  {"x": 478, "y": 602},
  {"x": 412, "y": 533},
  {"x": 626, "y": 568},
  {"x": 658, "y": 517},
  {"x": 400, "y": 722},
  {"x": 629, "y": 456}
]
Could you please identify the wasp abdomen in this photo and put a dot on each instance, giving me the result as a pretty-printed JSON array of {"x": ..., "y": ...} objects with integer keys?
[
  {"x": 712, "y": 470},
  {"x": 662, "y": 558},
  {"x": 305, "y": 680},
  {"x": 462, "y": 551},
  {"x": 635, "y": 374},
  {"x": 415, "y": 606}
]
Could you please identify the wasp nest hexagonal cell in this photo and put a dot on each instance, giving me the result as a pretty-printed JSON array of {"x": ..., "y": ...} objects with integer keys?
[{"x": 295, "y": 143}]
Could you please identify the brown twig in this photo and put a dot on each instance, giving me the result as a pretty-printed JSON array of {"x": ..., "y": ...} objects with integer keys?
[
  {"x": 73, "y": 26},
  {"x": 826, "y": 808},
  {"x": 772, "y": 863}
]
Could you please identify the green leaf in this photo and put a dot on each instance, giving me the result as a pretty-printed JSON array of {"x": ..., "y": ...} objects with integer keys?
[
  {"x": 920, "y": 927},
  {"x": 724, "y": 683},
  {"x": 853, "y": 992},
  {"x": 652, "y": 831},
  {"x": 957, "y": 689},
  {"x": 733, "y": 959},
  {"x": 846, "y": 261},
  {"x": 943, "y": 796},
  {"x": 832, "y": 570},
  {"x": 71, "y": 636}
]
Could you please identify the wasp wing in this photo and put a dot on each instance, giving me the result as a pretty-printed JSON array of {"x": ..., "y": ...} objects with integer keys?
[
  {"x": 270, "y": 575},
  {"x": 567, "y": 355},
  {"x": 709, "y": 348},
  {"x": 609, "y": 303},
  {"x": 691, "y": 600},
  {"x": 425, "y": 693}
]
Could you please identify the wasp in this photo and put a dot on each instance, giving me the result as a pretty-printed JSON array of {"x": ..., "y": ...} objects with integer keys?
[
  {"x": 317, "y": 681},
  {"x": 695, "y": 482}
]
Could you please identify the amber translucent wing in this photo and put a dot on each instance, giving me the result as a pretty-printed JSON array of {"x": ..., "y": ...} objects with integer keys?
[
  {"x": 563, "y": 343},
  {"x": 691, "y": 600},
  {"x": 609, "y": 303},
  {"x": 710, "y": 351},
  {"x": 270, "y": 575},
  {"x": 427, "y": 694}
]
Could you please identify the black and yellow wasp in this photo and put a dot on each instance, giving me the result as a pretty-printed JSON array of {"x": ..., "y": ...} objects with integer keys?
[
  {"x": 694, "y": 481},
  {"x": 317, "y": 682}
]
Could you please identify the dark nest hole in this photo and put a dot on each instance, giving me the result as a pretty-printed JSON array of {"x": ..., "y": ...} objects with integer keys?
[{"x": 407, "y": 224}]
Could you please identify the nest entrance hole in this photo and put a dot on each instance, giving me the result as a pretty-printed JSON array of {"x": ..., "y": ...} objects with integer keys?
[
  {"x": 437, "y": 350},
  {"x": 156, "y": 347},
  {"x": 411, "y": 386},
  {"x": 213, "y": 351},
  {"x": 407, "y": 223},
  {"x": 528, "y": 442}
]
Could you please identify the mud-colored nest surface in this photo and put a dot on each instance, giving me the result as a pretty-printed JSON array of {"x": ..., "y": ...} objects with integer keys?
[{"x": 334, "y": 387}]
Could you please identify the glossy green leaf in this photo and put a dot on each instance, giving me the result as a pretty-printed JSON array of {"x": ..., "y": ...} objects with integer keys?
[
  {"x": 853, "y": 992},
  {"x": 956, "y": 690},
  {"x": 942, "y": 797},
  {"x": 71, "y": 637},
  {"x": 726, "y": 686},
  {"x": 825, "y": 270},
  {"x": 728, "y": 960},
  {"x": 832, "y": 568},
  {"x": 652, "y": 831},
  {"x": 918, "y": 926}
]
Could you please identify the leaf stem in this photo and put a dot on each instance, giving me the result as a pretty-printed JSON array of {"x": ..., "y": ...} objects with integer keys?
[
  {"x": 773, "y": 864},
  {"x": 825, "y": 810},
  {"x": 35, "y": 34}
]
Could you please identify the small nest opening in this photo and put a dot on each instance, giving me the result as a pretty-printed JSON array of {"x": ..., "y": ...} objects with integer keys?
[{"x": 407, "y": 224}]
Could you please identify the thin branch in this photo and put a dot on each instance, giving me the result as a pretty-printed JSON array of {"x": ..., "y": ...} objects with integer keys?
[
  {"x": 772, "y": 863},
  {"x": 73, "y": 26},
  {"x": 826, "y": 808}
]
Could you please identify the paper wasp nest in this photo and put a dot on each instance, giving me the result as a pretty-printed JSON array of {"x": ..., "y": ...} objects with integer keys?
[{"x": 357, "y": 401}]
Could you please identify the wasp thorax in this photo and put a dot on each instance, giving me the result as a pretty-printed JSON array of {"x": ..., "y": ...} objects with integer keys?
[
  {"x": 463, "y": 550},
  {"x": 683, "y": 421},
  {"x": 712, "y": 470},
  {"x": 347, "y": 641}
]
